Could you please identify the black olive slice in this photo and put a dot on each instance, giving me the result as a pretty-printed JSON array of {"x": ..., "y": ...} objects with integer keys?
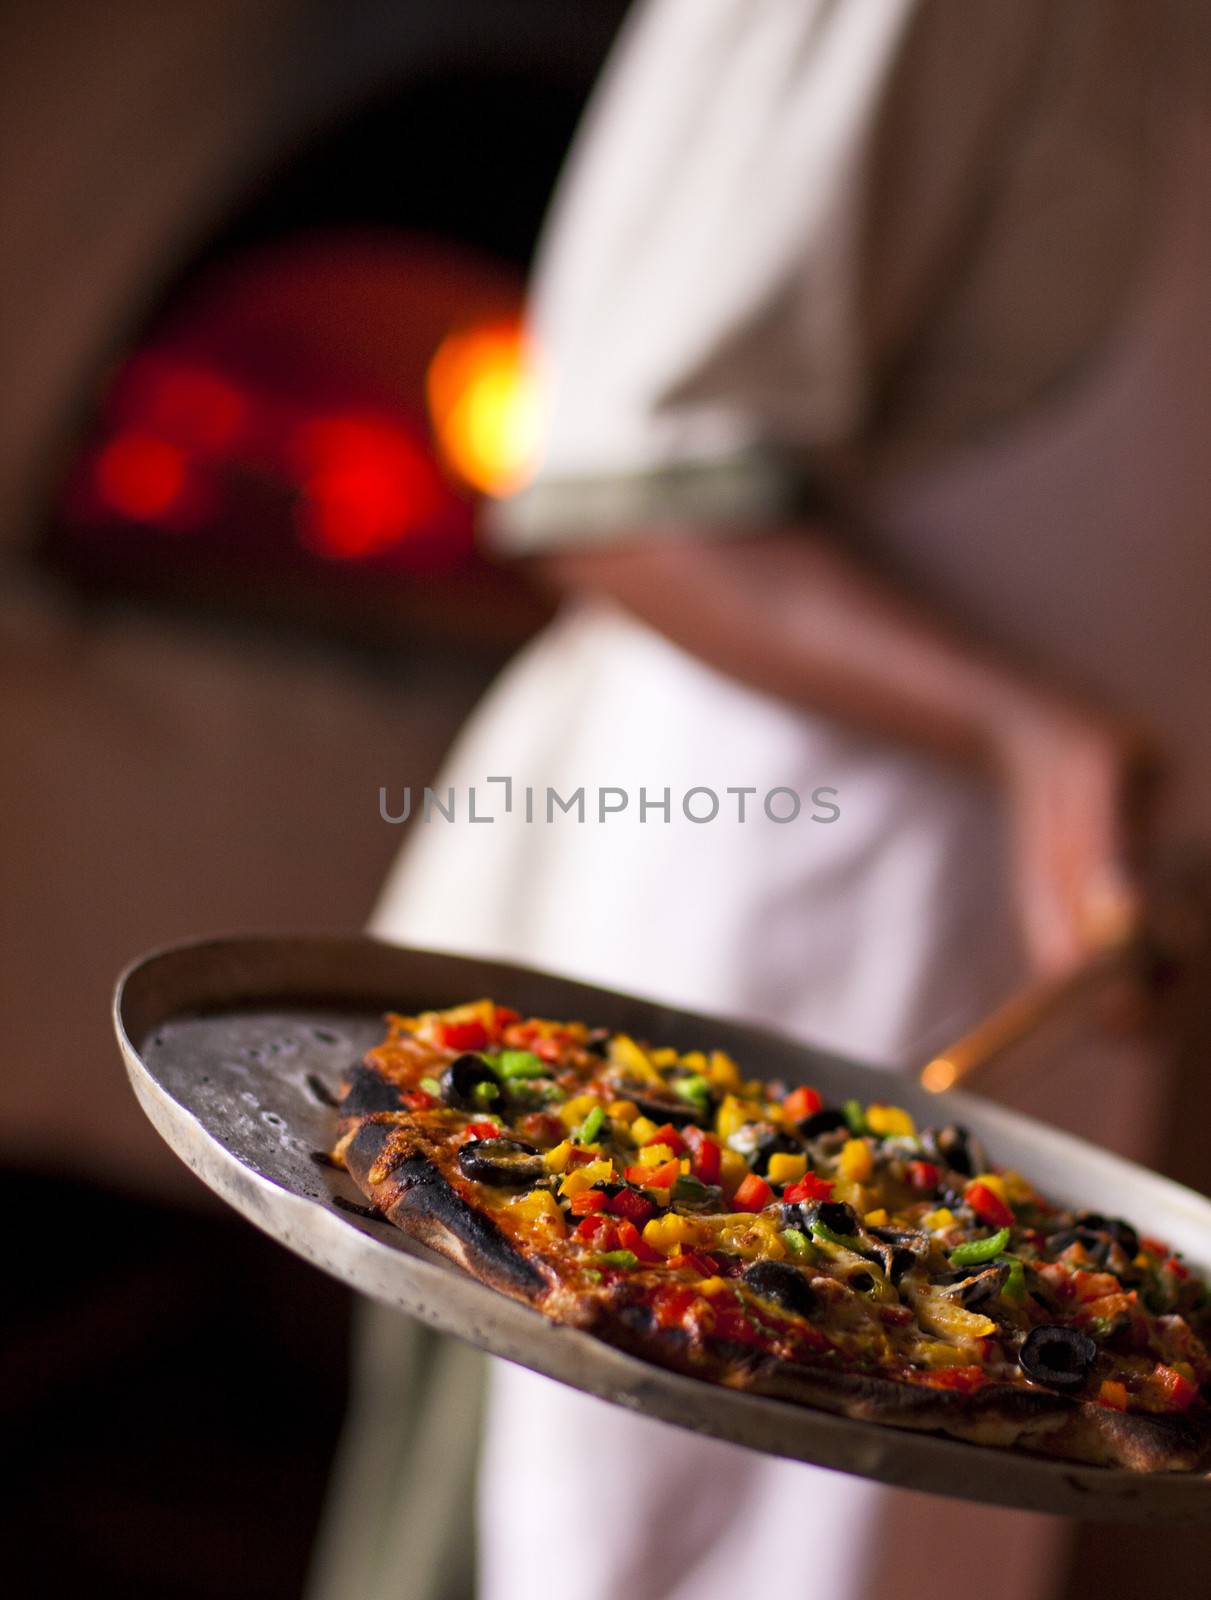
[
  {"x": 1095, "y": 1245},
  {"x": 1121, "y": 1232},
  {"x": 957, "y": 1148},
  {"x": 1057, "y": 1356},
  {"x": 980, "y": 1286},
  {"x": 505, "y": 1163},
  {"x": 896, "y": 1250},
  {"x": 822, "y": 1122},
  {"x": 784, "y": 1285},
  {"x": 598, "y": 1042},
  {"x": 837, "y": 1217},
  {"x": 680, "y": 1113},
  {"x": 461, "y": 1078},
  {"x": 769, "y": 1142}
]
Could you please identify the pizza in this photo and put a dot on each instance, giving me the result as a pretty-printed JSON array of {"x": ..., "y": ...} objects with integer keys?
[{"x": 756, "y": 1237}]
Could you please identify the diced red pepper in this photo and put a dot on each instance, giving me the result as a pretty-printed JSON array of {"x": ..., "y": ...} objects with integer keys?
[
  {"x": 519, "y": 1035},
  {"x": 989, "y": 1207},
  {"x": 1155, "y": 1247},
  {"x": 505, "y": 1017},
  {"x": 665, "y": 1175},
  {"x": 1176, "y": 1389},
  {"x": 548, "y": 1049},
  {"x": 630, "y": 1238},
  {"x": 461, "y": 1035},
  {"x": 923, "y": 1175},
  {"x": 588, "y": 1201},
  {"x": 965, "y": 1379},
  {"x": 754, "y": 1194},
  {"x": 671, "y": 1305},
  {"x": 629, "y": 1203},
  {"x": 693, "y": 1261},
  {"x": 662, "y": 1177},
  {"x": 800, "y": 1103},
  {"x": 706, "y": 1158},
  {"x": 809, "y": 1187},
  {"x": 1178, "y": 1268},
  {"x": 480, "y": 1130},
  {"x": 578, "y": 1156},
  {"x": 1094, "y": 1285},
  {"x": 598, "y": 1230},
  {"x": 731, "y": 1322},
  {"x": 668, "y": 1135},
  {"x": 419, "y": 1100}
]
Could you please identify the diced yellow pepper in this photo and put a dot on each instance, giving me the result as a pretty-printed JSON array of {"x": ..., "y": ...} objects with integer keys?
[
  {"x": 937, "y": 1220},
  {"x": 671, "y": 1233},
  {"x": 625, "y": 1053},
  {"x": 993, "y": 1181},
  {"x": 623, "y": 1111},
  {"x": 733, "y": 1169},
  {"x": 855, "y": 1160},
  {"x": 723, "y": 1072},
  {"x": 643, "y": 1129},
  {"x": 573, "y": 1112},
  {"x": 876, "y": 1218},
  {"x": 733, "y": 1113},
  {"x": 582, "y": 1178},
  {"x": 786, "y": 1168},
  {"x": 851, "y": 1193},
  {"x": 687, "y": 1165},
  {"x": 890, "y": 1121},
  {"x": 655, "y": 1155},
  {"x": 556, "y": 1160},
  {"x": 694, "y": 1061},
  {"x": 541, "y": 1208},
  {"x": 1018, "y": 1192},
  {"x": 663, "y": 1058}
]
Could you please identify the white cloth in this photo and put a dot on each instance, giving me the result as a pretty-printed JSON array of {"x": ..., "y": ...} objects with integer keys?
[{"x": 699, "y": 309}]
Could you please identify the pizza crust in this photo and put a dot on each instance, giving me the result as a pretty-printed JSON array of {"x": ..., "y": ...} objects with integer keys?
[
  {"x": 405, "y": 1184},
  {"x": 413, "y": 1194}
]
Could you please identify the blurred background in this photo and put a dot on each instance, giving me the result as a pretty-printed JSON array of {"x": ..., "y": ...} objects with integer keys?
[
  {"x": 259, "y": 284},
  {"x": 259, "y": 292}
]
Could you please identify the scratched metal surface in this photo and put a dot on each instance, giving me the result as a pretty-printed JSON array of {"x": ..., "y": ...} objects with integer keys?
[{"x": 234, "y": 1047}]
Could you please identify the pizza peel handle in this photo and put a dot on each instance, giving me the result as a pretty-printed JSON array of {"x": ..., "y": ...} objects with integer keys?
[{"x": 235, "y": 1046}]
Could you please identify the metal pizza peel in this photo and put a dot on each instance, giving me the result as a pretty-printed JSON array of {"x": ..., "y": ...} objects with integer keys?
[{"x": 234, "y": 1048}]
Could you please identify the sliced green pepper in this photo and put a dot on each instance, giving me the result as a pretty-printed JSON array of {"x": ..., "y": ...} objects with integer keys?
[
  {"x": 798, "y": 1243},
  {"x": 977, "y": 1251},
  {"x": 847, "y": 1241},
  {"x": 431, "y": 1086},
  {"x": 484, "y": 1093},
  {"x": 690, "y": 1190},
  {"x": 591, "y": 1126},
  {"x": 695, "y": 1090},
  {"x": 521, "y": 1064},
  {"x": 619, "y": 1258},
  {"x": 853, "y": 1113},
  {"x": 1015, "y": 1284}
]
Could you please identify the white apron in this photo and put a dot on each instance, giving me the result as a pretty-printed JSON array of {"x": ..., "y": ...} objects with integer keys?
[{"x": 876, "y": 934}]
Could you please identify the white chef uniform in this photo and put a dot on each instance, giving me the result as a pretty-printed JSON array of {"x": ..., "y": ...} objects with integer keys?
[{"x": 936, "y": 270}]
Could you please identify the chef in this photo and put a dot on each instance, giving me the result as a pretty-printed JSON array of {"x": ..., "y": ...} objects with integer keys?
[{"x": 878, "y": 343}]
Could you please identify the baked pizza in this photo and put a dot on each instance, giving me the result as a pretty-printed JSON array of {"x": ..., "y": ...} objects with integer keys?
[{"x": 741, "y": 1233}]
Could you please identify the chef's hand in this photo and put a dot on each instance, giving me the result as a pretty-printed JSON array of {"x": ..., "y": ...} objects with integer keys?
[{"x": 1079, "y": 787}]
